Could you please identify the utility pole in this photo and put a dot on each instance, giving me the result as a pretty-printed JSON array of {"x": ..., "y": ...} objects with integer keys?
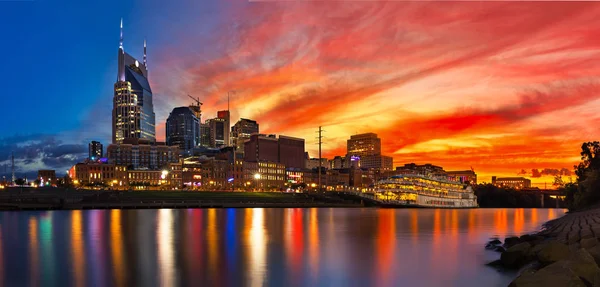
[
  {"x": 320, "y": 138},
  {"x": 14, "y": 179}
]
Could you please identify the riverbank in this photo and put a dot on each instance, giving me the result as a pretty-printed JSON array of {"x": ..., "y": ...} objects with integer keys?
[
  {"x": 68, "y": 199},
  {"x": 565, "y": 253}
]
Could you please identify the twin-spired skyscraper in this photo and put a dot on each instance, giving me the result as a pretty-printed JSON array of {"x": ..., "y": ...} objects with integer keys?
[{"x": 133, "y": 112}]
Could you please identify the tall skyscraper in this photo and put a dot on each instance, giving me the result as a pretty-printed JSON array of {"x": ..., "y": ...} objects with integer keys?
[
  {"x": 183, "y": 130},
  {"x": 133, "y": 112},
  {"x": 364, "y": 145},
  {"x": 95, "y": 150},
  {"x": 205, "y": 134},
  {"x": 219, "y": 129},
  {"x": 366, "y": 149},
  {"x": 226, "y": 116},
  {"x": 241, "y": 132}
]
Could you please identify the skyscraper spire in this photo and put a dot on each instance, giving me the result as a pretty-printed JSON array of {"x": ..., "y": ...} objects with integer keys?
[
  {"x": 145, "y": 64},
  {"x": 121, "y": 41}
]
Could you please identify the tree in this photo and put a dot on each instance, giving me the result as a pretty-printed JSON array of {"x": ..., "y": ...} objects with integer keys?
[
  {"x": 590, "y": 159},
  {"x": 37, "y": 182},
  {"x": 20, "y": 182},
  {"x": 558, "y": 181}
]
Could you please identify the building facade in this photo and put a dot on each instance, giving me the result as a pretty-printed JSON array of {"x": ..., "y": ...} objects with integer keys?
[
  {"x": 313, "y": 163},
  {"x": 95, "y": 150},
  {"x": 205, "y": 134},
  {"x": 261, "y": 148},
  {"x": 241, "y": 132},
  {"x": 47, "y": 177},
  {"x": 463, "y": 176},
  {"x": 511, "y": 182},
  {"x": 138, "y": 154},
  {"x": 183, "y": 130},
  {"x": 362, "y": 145},
  {"x": 291, "y": 152},
  {"x": 424, "y": 169},
  {"x": 264, "y": 175},
  {"x": 366, "y": 148},
  {"x": 133, "y": 111}
]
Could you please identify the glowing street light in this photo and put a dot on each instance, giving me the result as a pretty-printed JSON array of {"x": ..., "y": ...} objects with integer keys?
[{"x": 257, "y": 176}]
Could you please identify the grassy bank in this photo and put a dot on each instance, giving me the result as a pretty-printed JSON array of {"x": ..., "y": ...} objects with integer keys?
[{"x": 53, "y": 198}]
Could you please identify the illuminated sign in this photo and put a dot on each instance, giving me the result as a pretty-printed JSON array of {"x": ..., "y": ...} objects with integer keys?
[
  {"x": 197, "y": 176},
  {"x": 230, "y": 180},
  {"x": 354, "y": 158}
]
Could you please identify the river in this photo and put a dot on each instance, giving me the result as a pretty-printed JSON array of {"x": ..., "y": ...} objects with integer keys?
[{"x": 258, "y": 247}]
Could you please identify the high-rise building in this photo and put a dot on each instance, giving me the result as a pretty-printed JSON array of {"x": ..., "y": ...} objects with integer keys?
[
  {"x": 133, "y": 112},
  {"x": 261, "y": 148},
  {"x": 95, "y": 150},
  {"x": 241, "y": 132},
  {"x": 183, "y": 130},
  {"x": 364, "y": 145},
  {"x": 205, "y": 134},
  {"x": 291, "y": 152},
  {"x": 226, "y": 116},
  {"x": 366, "y": 148},
  {"x": 288, "y": 151}
]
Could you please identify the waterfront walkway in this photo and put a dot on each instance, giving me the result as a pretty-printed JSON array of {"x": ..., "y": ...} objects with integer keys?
[{"x": 573, "y": 227}]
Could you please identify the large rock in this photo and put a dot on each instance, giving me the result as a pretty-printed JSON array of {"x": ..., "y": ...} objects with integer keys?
[
  {"x": 588, "y": 243},
  {"x": 554, "y": 275},
  {"x": 533, "y": 239},
  {"x": 584, "y": 266},
  {"x": 551, "y": 252},
  {"x": 516, "y": 255},
  {"x": 595, "y": 253},
  {"x": 511, "y": 241}
]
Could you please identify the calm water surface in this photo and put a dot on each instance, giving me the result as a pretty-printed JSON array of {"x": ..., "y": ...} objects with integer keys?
[{"x": 258, "y": 247}]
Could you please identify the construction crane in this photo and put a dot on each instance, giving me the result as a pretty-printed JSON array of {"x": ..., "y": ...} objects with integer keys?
[{"x": 197, "y": 100}]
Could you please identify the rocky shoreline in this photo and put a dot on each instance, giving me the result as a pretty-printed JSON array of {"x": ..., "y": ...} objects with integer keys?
[{"x": 565, "y": 253}]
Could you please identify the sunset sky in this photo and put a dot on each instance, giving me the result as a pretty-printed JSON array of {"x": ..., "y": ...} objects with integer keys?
[{"x": 507, "y": 88}]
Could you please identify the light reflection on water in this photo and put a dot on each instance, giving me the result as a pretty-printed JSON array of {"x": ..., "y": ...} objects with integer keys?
[{"x": 258, "y": 247}]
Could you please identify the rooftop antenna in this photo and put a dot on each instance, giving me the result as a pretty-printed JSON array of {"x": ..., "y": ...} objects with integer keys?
[{"x": 121, "y": 41}]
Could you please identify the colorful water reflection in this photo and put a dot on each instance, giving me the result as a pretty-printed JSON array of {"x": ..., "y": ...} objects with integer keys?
[{"x": 258, "y": 247}]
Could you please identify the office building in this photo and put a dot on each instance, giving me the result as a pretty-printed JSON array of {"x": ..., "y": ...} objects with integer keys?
[
  {"x": 95, "y": 150},
  {"x": 133, "y": 111},
  {"x": 261, "y": 148},
  {"x": 142, "y": 154},
  {"x": 226, "y": 117},
  {"x": 423, "y": 169},
  {"x": 464, "y": 176},
  {"x": 241, "y": 132},
  {"x": 183, "y": 130},
  {"x": 264, "y": 175},
  {"x": 291, "y": 152},
  {"x": 366, "y": 149},
  {"x": 46, "y": 177},
  {"x": 205, "y": 134},
  {"x": 313, "y": 163},
  {"x": 362, "y": 145},
  {"x": 511, "y": 182}
]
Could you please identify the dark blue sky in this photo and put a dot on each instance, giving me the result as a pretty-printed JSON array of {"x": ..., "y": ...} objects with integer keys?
[{"x": 59, "y": 65}]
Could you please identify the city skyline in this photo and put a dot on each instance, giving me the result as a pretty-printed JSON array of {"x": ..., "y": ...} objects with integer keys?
[{"x": 424, "y": 92}]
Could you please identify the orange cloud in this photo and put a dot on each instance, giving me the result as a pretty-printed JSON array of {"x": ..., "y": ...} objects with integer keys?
[{"x": 454, "y": 84}]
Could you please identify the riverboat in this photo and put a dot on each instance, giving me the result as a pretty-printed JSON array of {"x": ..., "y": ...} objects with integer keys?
[{"x": 415, "y": 190}]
